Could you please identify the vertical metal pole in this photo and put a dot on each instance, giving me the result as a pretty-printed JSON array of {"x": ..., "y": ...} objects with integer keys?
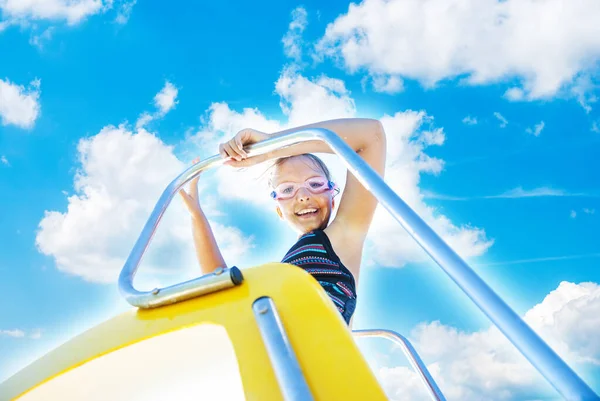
[{"x": 285, "y": 364}]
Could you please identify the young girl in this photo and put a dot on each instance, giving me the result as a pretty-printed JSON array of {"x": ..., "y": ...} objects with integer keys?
[{"x": 303, "y": 194}]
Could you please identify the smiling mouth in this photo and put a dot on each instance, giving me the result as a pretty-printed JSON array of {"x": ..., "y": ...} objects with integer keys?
[{"x": 307, "y": 212}]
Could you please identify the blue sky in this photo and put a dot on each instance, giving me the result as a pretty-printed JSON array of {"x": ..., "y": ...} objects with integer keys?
[{"x": 493, "y": 132}]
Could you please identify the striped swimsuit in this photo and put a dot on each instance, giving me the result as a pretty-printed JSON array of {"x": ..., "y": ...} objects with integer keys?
[{"x": 313, "y": 253}]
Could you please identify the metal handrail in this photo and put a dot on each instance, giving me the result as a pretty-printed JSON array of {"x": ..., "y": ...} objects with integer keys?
[
  {"x": 539, "y": 354},
  {"x": 412, "y": 356},
  {"x": 291, "y": 380}
]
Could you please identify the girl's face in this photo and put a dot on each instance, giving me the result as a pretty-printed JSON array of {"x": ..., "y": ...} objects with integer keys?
[{"x": 305, "y": 211}]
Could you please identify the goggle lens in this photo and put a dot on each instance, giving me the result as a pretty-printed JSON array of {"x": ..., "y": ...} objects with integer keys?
[{"x": 287, "y": 190}]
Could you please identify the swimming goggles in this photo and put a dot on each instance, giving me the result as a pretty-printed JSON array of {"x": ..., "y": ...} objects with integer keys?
[{"x": 316, "y": 185}]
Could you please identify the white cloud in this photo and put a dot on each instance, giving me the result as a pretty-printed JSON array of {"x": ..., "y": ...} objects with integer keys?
[
  {"x": 541, "y": 259},
  {"x": 573, "y": 214},
  {"x": 143, "y": 120},
  {"x": 537, "y": 129},
  {"x": 40, "y": 40},
  {"x": 19, "y": 106},
  {"x": 583, "y": 90},
  {"x": 387, "y": 84},
  {"x": 514, "y": 94},
  {"x": 124, "y": 12},
  {"x": 4, "y": 160},
  {"x": 4, "y": 25},
  {"x": 409, "y": 134},
  {"x": 36, "y": 334},
  {"x": 546, "y": 46},
  {"x": 72, "y": 11},
  {"x": 519, "y": 192},
  {"x": 514, "y": 193},
  {"x": 484, "y": 365},
  {"x": 595, "y": 127},
  {"x": 292, "y": 41},
  {"x": 503, "y": 121},
  {"x": 470, "y": 120},
  {"x": 121, "y": 177},
  {"x": 16, "y": 333},
  {"x": 589, "y": 211},
  {"x": 569, "y": 319},
  {"x": 305, "y": 101},
  {"x": 165, "y": 101}
]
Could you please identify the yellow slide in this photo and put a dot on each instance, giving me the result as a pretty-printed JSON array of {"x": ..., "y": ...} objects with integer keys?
[{"x": 212, "y": 348}]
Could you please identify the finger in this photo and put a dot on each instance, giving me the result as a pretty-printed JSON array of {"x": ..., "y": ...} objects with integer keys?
[
  {"x": 251, "y": 161},
  {"x": 231, "y": 152},
  {"x": 240, "y": 146},
  {"x": 236, "y": 149},
  {"x": 222, "y": 151}
]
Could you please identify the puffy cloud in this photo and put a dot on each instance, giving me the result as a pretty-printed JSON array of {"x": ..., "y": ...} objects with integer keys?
[
  {"x": 292, "y": 41},
  {"x": 143, "y": 120},
  {"x": 408, "y": 135},
  {"x": 37, "y": 14},
  {"x": 536, "y": 130},
  {"x": 484, "y": 365},
  {"x": 121, "y": 177},
  {"x": 304, "y": 101},
  {"x": 39, "y": 40},
  {"x": 4, "y": 160},
  {"x": 470, "y": 120},
  {"x": 569, "y": 319},
  {"x": 124, "y": 12},
  {"x": 19, "y": 105},
  {"x": 165, "y": 101},
  {"x": 387, "y": 83},
  {"x": 546, "y": 46},
  {"x": 72, "y": 11}
]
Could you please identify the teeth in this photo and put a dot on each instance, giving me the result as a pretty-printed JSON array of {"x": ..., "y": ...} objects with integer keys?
[{"x": 305, "y": 211}]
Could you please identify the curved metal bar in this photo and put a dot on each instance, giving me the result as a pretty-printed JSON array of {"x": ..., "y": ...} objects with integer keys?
[
  {"x": 290, "y": 378},
  {"x": 411, "y": 355},
  {"x": 201, "y": 285},
  {"x": 541, "y": 356}
]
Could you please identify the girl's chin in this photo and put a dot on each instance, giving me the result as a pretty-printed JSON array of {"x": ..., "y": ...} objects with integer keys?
[{"x": 308, "y": 226}]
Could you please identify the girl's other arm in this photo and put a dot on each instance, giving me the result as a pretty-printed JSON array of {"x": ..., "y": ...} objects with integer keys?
[{"x": 207, "y": 251}]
